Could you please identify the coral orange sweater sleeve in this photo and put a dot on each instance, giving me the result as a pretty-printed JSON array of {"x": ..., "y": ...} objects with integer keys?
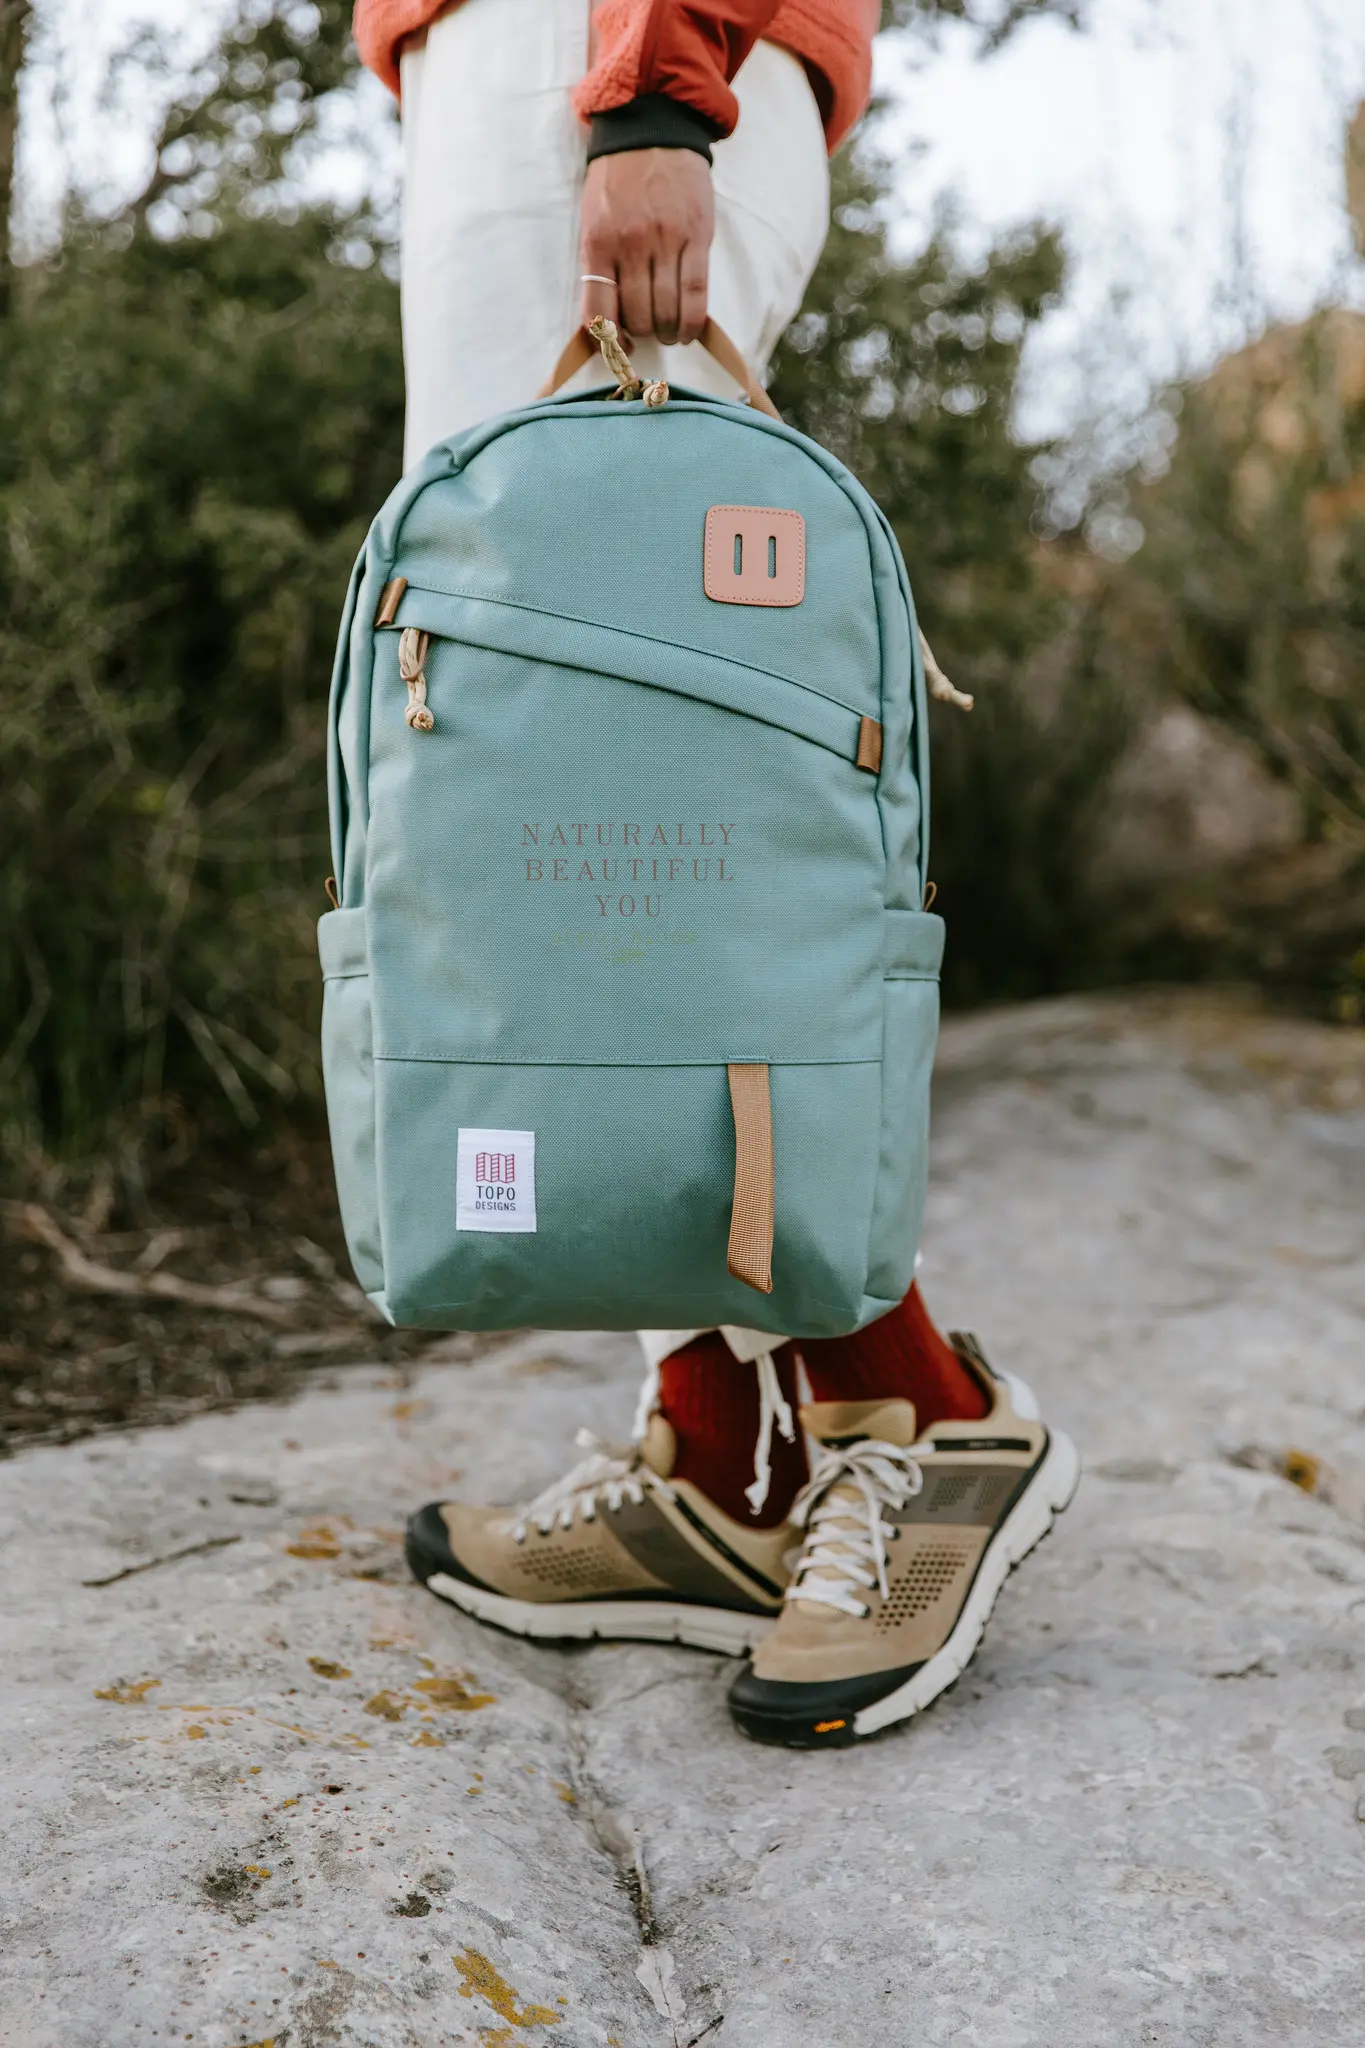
[
  {"x": 686, "y": 50},
  {"x": 683, "y": 51}
]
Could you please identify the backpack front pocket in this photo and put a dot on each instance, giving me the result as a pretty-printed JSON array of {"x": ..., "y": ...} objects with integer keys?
[
  {"x": 629, "y": 1191},
  {"x": 587, "y": 897}
]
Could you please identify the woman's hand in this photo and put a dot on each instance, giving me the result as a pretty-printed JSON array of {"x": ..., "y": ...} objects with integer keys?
[{"x": 648, "y": 217}]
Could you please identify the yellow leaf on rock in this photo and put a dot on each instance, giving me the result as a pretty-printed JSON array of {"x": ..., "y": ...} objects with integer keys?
[
  {"x": 1301, "y": 1468},
  {"x": 449, "y": 1692},
  {"x": 325, "y": 1669},
  {"x": 387, "y": 1706}
]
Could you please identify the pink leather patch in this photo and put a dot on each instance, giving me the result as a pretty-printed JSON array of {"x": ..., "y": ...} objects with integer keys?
[{"x": 754, "y": 554}]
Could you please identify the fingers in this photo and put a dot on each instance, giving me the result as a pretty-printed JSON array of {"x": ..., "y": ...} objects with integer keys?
[
  {"x": 692, "y": 290},
  {"x": 660, "y": 291},
  {"x": 647, "y": 221},
  {"x": 635, "y": 284},
  {"x": 664, "y": 277}
]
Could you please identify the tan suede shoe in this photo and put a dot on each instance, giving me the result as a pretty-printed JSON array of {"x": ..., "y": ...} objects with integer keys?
[
  {"x": 614, "y": 1549},
  {"x": 907, "y": 1544}
]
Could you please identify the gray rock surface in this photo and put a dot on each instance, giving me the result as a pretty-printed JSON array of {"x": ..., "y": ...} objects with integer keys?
[{"x": 268, "y": 1791}]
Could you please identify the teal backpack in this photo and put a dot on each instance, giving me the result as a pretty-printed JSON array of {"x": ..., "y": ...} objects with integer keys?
[{"x": 630, "y": 1002}]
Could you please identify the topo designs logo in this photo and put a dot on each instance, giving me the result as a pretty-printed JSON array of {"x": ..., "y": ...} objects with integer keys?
[{"x": 490, "y": 1192}]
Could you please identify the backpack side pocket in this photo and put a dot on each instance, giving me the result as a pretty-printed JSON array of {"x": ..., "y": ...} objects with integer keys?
[
  {"x": 348, "y": 1075},
  {"x": 914, "y": 953}
]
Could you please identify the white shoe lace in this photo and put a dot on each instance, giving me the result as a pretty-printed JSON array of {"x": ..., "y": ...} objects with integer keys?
[
  {"x": 841, "y": 1508},
  {"x": 614, "y": 1472}
]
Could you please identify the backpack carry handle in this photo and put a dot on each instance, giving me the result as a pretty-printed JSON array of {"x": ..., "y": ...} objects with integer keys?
[{"x": 717, "y": 343}]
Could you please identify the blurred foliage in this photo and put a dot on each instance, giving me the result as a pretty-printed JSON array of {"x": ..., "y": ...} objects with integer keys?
[
  {"x": 997, "y": 19},
  {"x": 907, "y": 372},
  {"x": 1251, "y": 579},
  {"x": 200, "y": 412},
  {"x": 1248, "y": 599}
]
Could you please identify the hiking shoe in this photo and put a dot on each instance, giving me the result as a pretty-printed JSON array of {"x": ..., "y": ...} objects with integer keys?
[
  {"x": 906, "y": 1546},
  {"x": 614, "y": 1549}
]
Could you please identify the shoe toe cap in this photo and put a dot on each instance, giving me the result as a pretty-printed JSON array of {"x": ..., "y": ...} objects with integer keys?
[
  {"x": 429, "y": 1549},
  {"x": 815, "y": 1715}
]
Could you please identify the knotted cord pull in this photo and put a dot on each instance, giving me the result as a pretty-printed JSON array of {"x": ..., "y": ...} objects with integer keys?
[
  {"x": 412, "y": 655},
  {"x": 607, "y": 336}
]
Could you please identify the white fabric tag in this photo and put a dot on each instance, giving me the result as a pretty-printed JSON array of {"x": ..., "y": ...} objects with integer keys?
[{"x": 495, "y": 1180}]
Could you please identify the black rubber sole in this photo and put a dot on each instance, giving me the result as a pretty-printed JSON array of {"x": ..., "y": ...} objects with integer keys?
[{"x": 808, "y": 1716}]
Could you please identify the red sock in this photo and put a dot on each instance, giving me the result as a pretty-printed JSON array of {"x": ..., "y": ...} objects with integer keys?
[
  {"x": 711, "y": 1399},
  {"x": 898, "y": 1354}
]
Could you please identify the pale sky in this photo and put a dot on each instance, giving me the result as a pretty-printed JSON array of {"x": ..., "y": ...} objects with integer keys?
[{"x": 1189, "y": 150}]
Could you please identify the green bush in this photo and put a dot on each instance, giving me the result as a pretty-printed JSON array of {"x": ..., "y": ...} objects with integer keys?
[{"x": 194, "y": 433}]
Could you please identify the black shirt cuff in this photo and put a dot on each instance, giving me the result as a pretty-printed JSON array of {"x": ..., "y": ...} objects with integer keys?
[{"x": 651, "y": 122}]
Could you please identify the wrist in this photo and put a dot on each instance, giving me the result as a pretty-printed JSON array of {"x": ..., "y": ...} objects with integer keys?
[{"x": 653, "y": 121}]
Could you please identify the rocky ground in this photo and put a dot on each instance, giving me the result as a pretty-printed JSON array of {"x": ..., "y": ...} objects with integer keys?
[{"x": 260, "y": 1789}]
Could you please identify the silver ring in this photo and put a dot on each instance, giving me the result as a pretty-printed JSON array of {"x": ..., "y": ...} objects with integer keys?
[{"x": 590, "y": 279}]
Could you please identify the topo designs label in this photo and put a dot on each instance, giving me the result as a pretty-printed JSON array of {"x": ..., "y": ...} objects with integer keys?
[{"x": 495, "y": 1180}]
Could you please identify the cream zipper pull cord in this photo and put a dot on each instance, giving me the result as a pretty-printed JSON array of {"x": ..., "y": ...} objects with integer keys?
[
  {"x": 939, "y": 686},
  {"x": 412, "y": 655}
]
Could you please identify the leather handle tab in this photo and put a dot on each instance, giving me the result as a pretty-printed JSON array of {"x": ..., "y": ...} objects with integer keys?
[
  {"x": 750, "y": 1254},
  {"x": 581, "y": 348},
  {"x": 869, "y": 757}
]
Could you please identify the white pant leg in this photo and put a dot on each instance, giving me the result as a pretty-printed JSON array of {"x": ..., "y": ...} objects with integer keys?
[
  {"x": 493, "y": 172},
  {"x": 493, "y": 163},
  {"x": 494, "y": 159}
]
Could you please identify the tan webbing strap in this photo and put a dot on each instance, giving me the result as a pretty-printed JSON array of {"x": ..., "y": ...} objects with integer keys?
[
  {"x": 750, "y": 1254},
  {"x": 722, "y": 350},
  {"x": 578, "y": 349},
  {"x": 581, "y": 348}
]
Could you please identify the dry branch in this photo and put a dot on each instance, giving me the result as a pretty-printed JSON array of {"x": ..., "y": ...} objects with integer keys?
[{"x": 81, "y": 1271}]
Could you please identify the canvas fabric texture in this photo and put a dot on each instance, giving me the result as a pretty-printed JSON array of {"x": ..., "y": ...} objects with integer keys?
[{"x": 494, "y": 157}]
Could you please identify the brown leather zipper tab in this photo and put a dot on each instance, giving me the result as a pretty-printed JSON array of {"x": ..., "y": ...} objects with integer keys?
[
  {"x": 869, "y": 754},
  {"x": 390, "y": 597},
  {"x": 750, "y": 1254}
]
